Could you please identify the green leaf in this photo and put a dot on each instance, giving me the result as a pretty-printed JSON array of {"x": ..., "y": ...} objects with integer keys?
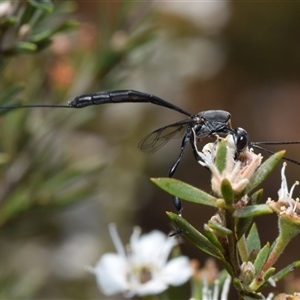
[
  {"x": 253, "y": 240},
  {"x": 212, "y": 238},
  {"x": 185, "y": 191},
  {"x": 285, "y": 271},
  {"x": 8, "y": 21},
  {"x": 261, "y": 258},
  {"x": 47, "y": 34},
  {"x": 199, "y": 240},
  {"x": 195, "y": 236},
  {"x": 15, "y": 206},
  {"x": 253, "y": 211},
  {"x": 256, "y": 197},
  {"x": 26, "y": 47},
  {"x": 261, "y": 277},
  {"x": 27, "y": 14},
  {"x": 45, "y": 5},
  {"x": 263, "y": 171},
  {"x": 237, "y": 284},
  {"x": 268, "y": 274},
  {"x": 43, "y": 44},
  {"x": 244, "y": 223},
  {"x": 227, "y": 192},
  {"x": 219, "y": 228},
  {"x": 221, "y": 156}
]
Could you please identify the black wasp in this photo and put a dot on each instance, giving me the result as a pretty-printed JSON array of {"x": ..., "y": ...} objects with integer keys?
[{"x": 205, "y": 124}]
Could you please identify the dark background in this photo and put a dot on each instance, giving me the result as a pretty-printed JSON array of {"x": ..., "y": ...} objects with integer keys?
[{"x": 242, "y": 57}]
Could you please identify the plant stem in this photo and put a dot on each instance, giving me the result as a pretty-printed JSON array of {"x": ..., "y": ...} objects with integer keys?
[
  {"x": 288, "y": 231},
  {"x": 232, "y": 242}
]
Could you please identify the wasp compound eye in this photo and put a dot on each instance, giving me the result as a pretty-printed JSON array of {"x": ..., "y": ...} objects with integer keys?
[{"x": 241, "y": 139}]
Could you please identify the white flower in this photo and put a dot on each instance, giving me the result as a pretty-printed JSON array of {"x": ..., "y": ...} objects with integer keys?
[
  {"x": 286, "y": 205},
  {"x": 284, "y": 194},
  {"x": 208, "y": 283},
  {"x": 213, "y": 294},
  {"x": 237, "y": 171},
  {"x": 143, "y": 269}
]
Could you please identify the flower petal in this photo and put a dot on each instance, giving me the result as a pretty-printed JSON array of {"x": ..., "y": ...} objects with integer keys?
[
  {"x": 152, "y": 248},
  {"x": 110, "y": 274},
  {"x": 177, "y": 271},
  {"x": 153, "y": 287}
]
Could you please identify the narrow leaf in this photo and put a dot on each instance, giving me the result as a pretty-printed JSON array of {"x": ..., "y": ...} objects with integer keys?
[
  {"x": 27, "y": 14},
  {"x": 219, "y": 228},
  {"x": 263, "y": 171},
  {"x": 261, "y": 258},
  {"x": 185, "y": 191},
  {"x": 212, "y": 238},
  {"x": 253, "y": 211},
  {"x": 195, "y": 236},
  {"x": 221, "y": 156},
  {"x": 253, "y": 240},
  {"x": 26, "y": 47},
  {"x": 255, "y": 198},
  {"x": 285, "y": 271},
  {"x": 45, "y": 5},
  {"x": 243, "y": 224},
  {"x": 237, "y": 284},
  {"x": 47, "y": 34},
  {"x": 268, "y": 274},
  {"x": 8, "y": 21},
  {"x": 227, "y": 192},
  {"x": 199, "y": 240}
]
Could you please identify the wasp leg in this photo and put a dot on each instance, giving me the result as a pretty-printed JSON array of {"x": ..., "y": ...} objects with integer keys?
[
  {"x": 194, "y": 145},
  {"x": 186, "y": 139}
]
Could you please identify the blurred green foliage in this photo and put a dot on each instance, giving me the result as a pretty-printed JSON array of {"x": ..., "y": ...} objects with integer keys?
[
  {"x": 46, "y": 56},
  {"x": 26, "y": 29},
  {"x": 29, "y": 139}
]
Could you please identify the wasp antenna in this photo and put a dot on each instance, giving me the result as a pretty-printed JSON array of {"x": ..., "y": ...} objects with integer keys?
[
  {"x": 275, "y": 143},
  {"x": 272, "y": 152},
  {"x": 34, "y": 106}
]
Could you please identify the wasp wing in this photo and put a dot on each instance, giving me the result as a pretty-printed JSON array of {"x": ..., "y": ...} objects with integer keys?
[{"x": 158, "y": 138}]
